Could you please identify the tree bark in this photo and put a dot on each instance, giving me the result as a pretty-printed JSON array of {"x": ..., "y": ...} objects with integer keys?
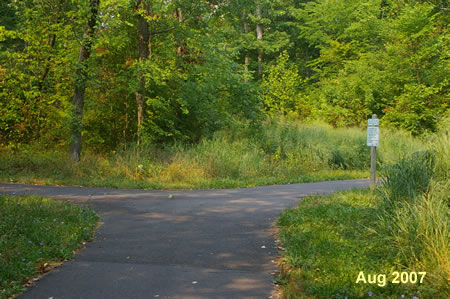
[
  {"x": 47, "y": 64},
  {"x": 180, "y": 40},
  {"x": 259, "y": 37},
  {"x": 247, "y": 58},
  {"x": 80, "y": 82},
  {"x": 144, "y": 52}
]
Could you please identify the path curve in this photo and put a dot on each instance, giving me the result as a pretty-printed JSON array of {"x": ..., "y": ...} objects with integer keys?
[{"x": 198, "y": 244}]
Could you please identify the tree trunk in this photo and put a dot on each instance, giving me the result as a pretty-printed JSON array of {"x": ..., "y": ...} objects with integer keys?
[
  {"x": 180, "y": 40},
  {"x": 259, "y": 37},
  {"x": 143, "y": 47},
  {"x": 80, "y": 82},
  {"x": 51, "y": 43},
  {"x": 247, "y": 58}
]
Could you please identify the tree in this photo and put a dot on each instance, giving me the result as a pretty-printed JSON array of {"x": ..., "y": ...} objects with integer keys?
[
  {"x": 281, "y": 88},
  {"x": 144, "y": 9},
  {"x": 259, "y": 37},
  {"x": 81, "y": 78}
]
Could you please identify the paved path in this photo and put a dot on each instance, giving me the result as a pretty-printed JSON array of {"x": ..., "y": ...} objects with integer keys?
[{"x": 198, "y": 244}]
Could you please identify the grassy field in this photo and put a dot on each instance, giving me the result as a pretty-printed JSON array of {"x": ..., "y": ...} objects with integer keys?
[
  {"x": 35, "y": 235},
  {"x": 403, "y": 227},
  {"x": 279, "y": 152}
]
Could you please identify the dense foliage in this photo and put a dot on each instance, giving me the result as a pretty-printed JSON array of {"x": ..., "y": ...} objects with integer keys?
[{"x": 180, "y": 70}]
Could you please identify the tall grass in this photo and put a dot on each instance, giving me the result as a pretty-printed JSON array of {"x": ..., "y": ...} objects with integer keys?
[
  {"x": 403, "y": 227},
  {"x": 280, "y": 151},
  {"x": 416, "y": 210}
]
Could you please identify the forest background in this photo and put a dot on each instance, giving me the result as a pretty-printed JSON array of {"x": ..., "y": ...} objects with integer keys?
[{"x": 110, "y": 75}]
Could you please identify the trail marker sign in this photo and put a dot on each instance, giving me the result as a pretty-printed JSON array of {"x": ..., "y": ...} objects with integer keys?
[
  {"x": 373, "y": 122},
  {"x": 373, "y": 136}
]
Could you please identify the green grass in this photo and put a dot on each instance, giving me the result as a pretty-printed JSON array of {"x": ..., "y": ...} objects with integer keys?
[
  {"x": 35, "y": 234},
  {"x": 279, "y": 152},
  {"x": 329, "y": 240},
  {"x": 403, "y": 226}
]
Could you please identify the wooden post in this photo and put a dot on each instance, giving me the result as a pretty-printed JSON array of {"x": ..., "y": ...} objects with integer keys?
[
  {"x": 373, "y": 167},
  {"x": 372, "y": 141}
]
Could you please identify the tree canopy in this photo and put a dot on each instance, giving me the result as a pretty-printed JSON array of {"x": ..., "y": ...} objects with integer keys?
[{"x": 160, "y": 71}]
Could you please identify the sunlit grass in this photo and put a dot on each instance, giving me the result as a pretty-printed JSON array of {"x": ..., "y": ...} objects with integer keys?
[{"x": 279, "y": 152}]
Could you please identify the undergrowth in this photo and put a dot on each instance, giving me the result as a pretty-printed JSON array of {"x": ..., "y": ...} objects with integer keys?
[{"x": 278, "y": 152}]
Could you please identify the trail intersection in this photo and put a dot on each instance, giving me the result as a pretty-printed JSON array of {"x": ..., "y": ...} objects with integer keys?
[{"x": 175, "y": 244}]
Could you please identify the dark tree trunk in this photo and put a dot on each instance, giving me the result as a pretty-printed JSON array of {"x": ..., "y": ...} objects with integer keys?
[
  {"x": 143, "y": 47},
  {"x": 180, "y": 41},
  {"x": 80, "y": 82},
  {"x": 47, "y": 64}
]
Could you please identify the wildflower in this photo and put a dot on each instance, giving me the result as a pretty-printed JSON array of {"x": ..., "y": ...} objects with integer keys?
[
  {"x": 30, "y": 242},
  {"x": 23, "y": 260},
  {"x": 62, "y": 222},
  {"x": 370, "y": 294},
  {"x": 415, "y": 297},
  {"x": 46, "y": 228},
  {"x": 54, "y": 220},
  {"x": 403, "y": 296},
  {"x": 399, "y": 230},
  {"x": 18, "y": 202},
  {"x": 31, "y": 263},
  {"x": 41, "y": 244}
]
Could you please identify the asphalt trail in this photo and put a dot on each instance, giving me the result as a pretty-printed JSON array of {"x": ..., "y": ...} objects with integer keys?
[{"x": 198, "y": 244}]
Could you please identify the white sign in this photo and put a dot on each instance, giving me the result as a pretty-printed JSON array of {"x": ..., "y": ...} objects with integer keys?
[
  {"x": 373, "y": 136},
  {"x": 373, "y": 122}
]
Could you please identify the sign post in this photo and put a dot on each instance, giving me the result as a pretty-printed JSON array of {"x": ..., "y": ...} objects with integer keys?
[{"x": 373, "y": 139}]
